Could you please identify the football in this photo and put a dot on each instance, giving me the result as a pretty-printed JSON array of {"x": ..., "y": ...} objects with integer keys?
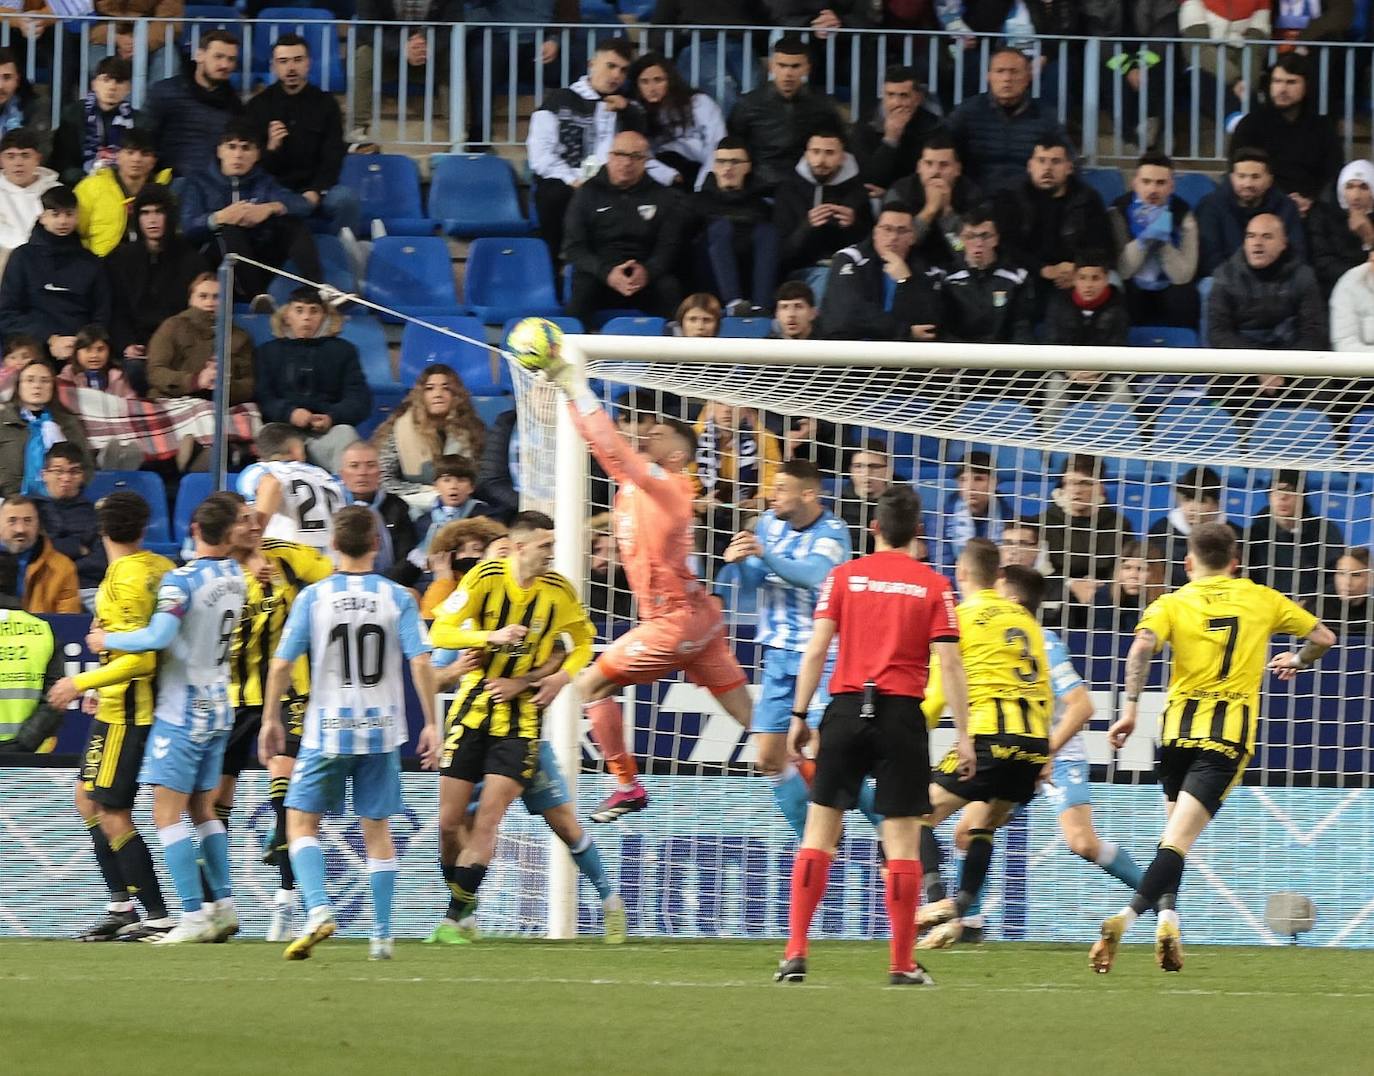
[{"x": 535, "y": 343}]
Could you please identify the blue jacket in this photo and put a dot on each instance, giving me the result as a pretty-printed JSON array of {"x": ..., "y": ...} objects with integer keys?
[
  {"x": 209, "y": 191},
  {"x": 1221, "y": 222},
  {"x": 71, "y": 527},
  {"x": 53, "y": 285},
  {"x": 186, "y": 121},
  {"x": 323, "y": 375},
  {"x": 995, "y": 144}
]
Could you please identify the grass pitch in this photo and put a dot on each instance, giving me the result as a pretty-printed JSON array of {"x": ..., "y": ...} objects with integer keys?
[{"x": 691, "y": 1007}]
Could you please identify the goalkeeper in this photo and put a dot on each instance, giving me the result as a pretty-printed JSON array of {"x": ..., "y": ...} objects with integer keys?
[{"x": 680, "y": 629}]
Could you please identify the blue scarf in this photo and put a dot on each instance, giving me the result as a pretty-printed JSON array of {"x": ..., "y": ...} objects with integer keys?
[
  {"x": 1151, "y": 223},
  {"x": 440, "y": 514},
  {"x": 386, "y": 553},
  {"x": 960, "y": 524},
  {"x": 100, "y": 139},
  {"x": 43, "y": 434},
  {"x": 12, "y": 115}
]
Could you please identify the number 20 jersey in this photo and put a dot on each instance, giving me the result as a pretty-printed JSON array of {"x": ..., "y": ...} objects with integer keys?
[
  {"x": 356, "y": 629},
  {"x": 309, "y": 498}
]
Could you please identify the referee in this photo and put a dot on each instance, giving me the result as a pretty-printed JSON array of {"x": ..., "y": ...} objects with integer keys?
[{"x": 891, "y": 613}]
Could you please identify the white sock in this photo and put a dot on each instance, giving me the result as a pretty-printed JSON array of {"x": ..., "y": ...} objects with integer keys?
[
  {"x": 622, "y": 787},
  {"x": 120, "y": 906},
  {"x": 1129, "y": 914},
  {"x": 1106, "y": 852},
  {"x": 784, "y": 775},
  {"x": 1169, "y": 915}
]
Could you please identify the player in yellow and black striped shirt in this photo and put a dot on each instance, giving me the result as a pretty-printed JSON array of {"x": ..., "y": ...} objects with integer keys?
[
  {"x": 1219, "y": 628},
  {"x": 516, "y": 610},
  {"x": 108, "y": 782}
]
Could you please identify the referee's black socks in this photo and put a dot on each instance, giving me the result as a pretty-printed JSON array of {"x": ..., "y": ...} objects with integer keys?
[
  {"x": 1162, "y": 877},
  {"x": 976, "y": 863}
]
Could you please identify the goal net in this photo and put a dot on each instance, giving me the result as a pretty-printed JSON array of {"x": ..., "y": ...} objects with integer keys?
[{"x": 1090, "y": 464}]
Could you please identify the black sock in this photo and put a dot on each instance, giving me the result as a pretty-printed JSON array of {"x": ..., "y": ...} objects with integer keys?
[
  {"x": 1163, "y": 876},
  {"x": 277, "y": 796},
  {"x": 136, "y": 865},
  {"x": 930, "y": 866},
  {"x": 463, "y": 883},
  {"x": 976, "y": 863},
  {"x": 107, "y": 862}
]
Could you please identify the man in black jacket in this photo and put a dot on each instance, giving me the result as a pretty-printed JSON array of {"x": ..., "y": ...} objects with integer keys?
[
  {"x": 939, "y": 194},
  {"x": 188, "y": 112},
  {"x": 622, "y": 236},
  {"x": 1264, "y": 296},
  {"x": 820, "y": 208},
  {"x": 1247, "y": 191},
  {"x": 888, "y": 147},
  {"x": 360, "y": 472},
  {"x": 68, "y": 516},
  {"x": 776, "y": 119},
  {"x": 988, "y": 300},
  {"x": 876, "y": 290},
  {"x": 1051, "y": 217},
  {"x": 738, "y": 238},
  {"x": 302, "y": 133}
]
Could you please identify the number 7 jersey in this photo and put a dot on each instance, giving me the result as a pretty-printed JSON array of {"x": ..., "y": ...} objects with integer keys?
[
  {"x": 356, "y": 629},
  {"x": 310, "y": 496}
]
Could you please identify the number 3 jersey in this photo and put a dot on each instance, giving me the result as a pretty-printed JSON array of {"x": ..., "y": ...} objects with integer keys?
[
  {"x": 356, "y": 628},
  {"x": 309, "y": 498},
  {"x": 1003, "y": 649},
  {"x": 207, "y": 596}
]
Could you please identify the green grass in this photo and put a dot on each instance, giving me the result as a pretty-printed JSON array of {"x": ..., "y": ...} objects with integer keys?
[{"x": 692, "y": 1007}]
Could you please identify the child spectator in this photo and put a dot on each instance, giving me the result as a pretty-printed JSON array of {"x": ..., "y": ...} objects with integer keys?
[
  {"x": 105, "y": 197},
  {"x": 68, "y": 515},
  {"x": 20, "y": 351},
  {"x": 22, "y": 183},
  {"x": 91, "y": 369},
  {"x": 697, "y": 316},
  {"x": 94, "y": 125},
  {"x": 455, "y": 478},
  {"x": 1092, "y": 311}
]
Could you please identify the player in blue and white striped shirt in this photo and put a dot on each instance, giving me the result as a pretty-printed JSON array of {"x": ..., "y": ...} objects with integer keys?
[
  {"x": 198, "y": 610},
  {"x": 785, "y": 559},
  {"x": 356, "y": 626}
]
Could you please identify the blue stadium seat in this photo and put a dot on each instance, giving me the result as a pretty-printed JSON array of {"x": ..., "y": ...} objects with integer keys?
[
  {"x": 388, "y": 187},
  {"x": 1361, "y": 529},
  {"x": 1087, "y": 427},
  {"x": 1196, "y": 428},
  {"x": 258, "y": 326},
  {"x": 412, "y": 275},
  {"x": 191, "y": 490},
  {"x": 1193, "y": 187},
  {"x": 490, "y": 408},
  {"x": 473, "y": 194},
  {"x": 334, "y": 260},
  {"x": 478, "y": 366},
  {"x": 509, "y": 278},
  {"x": 1160, "y": 336},
  {"x": 1106, "y": 181},
  {"x": 1359, "y": 442},
  {"x": 1241, "y": 504},
  {"x": 1028, "y": 494},
  {"x": 326, "y": 57},
  {"x": 1011, "y": 422},
  {"x": 634, "y": 326},
  {"x": 1141, "y": 503},
  {"x": 746, "y": 328},
  {"x": 384, "y": 403},
  {"x": 147, "y": 485},
  {"x": 640, "y": 10},
  {"x": 1288, "y": 432},
  {"x": 365, "y": 333}
]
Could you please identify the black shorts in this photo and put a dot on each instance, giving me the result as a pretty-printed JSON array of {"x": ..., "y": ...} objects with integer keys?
[
  {"x": 892, "y": 745},
  {"x": 1207, "y": 776},
  {"x": 472, "y": 753},
  {"x": 242, "y": 749},
  {"x": 111, "y": 761},
  {"x": 1007, "y": 769}
]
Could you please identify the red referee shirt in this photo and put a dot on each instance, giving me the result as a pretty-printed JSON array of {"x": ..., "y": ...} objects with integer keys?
[{"x": 887, "y": 610}]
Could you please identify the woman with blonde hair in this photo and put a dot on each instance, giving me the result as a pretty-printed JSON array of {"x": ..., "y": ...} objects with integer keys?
[{"x": 435, "y": 419}]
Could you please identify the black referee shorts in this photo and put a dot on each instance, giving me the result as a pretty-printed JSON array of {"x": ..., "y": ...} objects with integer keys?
[{"x": 892, "y": 745}]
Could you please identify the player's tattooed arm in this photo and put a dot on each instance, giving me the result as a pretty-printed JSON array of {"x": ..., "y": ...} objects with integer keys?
[{"x": 1138, "y": 663}]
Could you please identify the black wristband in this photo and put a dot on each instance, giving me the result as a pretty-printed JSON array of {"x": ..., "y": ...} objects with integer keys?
[{"x": 800, "y": 715}]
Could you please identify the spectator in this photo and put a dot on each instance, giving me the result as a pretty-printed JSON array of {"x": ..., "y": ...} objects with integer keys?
[
  {"x": 608, "y": 588},
  {"x": 20, "y": 352},
  {"x": 683, "y": 125},
  {"x": 455, "y": 480},
  {"x": 988, "y": 300},
  {"x": 889, "y": 146},
  {"x": 698, "y": 316},
  {"x": 103, "y": 198},
  {"x": 181, "y": 353},
  {"x": 1083, "y": 533},
  {"x": 1348, "y": 607},
  {"x": 819, "y": 209},
  {"x": 1303, "y": 145},
  {"x": 1288, "y": 544},
  {"x": 52, "y": 284},
  {"x": 234, "y": 207},
  {"x": 68, "y": 515},
  {"x": 719, "y": 64},
  {"x": 737, "y": 456},
  {"x": 571, "y": 134},
  {"x": 1020, "y": 544},
  {"x": 22, "y": 183},
  {"x": 458, "y": 547},
  {"x": 1051, "y": 217},
  {"x": 870, "y": 472},
  {"x": 21, "y": 103},
  {"x": 1265, "y": 296},
  {"x": 997, "y": 131},
  {"x": 1091, "y": 312},
  {"x": 409, "y": 42},
  {"x": 150, "y": 275},
  {"x": 623, "y": 232},
  {"x": 188, "y": 113},
  {"x": 795, "y": 315},
  {"x": 312, "y": 379},
  {"x": 1311, "y": 20},
  {"x": 360, "y": 474},
  {"x": 738, "y": 237},
  {"x": 46, "y": 580},
  {"x": 109, "y": 42},
  {"x": 489, "y": 50},
  {"x": 301, "y": 131},
  {"x": 1197, "y": 500},
  {"x": 1116, "y": 606},
  {"x": 93, "y": 126},
  {"x": 90, "y": 366},
  {"x": 1339, "y": 239},
  {"x": 940, "y": 194},
  {"x": 877, "y": 290},
  {"x": 435, "y": 419},
  {"x": 973, "y": 510},
  {"x": 776, "y": 119},
  {"x": 1352, "y": 309},
  {"x": 1157, "y": 234},
  {"x": 498, "y": 476},
  {"x": 1223, "y": 214},
  {"x": 1233, "y": 23}
]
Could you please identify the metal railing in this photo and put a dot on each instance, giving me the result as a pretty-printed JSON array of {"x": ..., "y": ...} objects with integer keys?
[{"x": 484, "y": 79}]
